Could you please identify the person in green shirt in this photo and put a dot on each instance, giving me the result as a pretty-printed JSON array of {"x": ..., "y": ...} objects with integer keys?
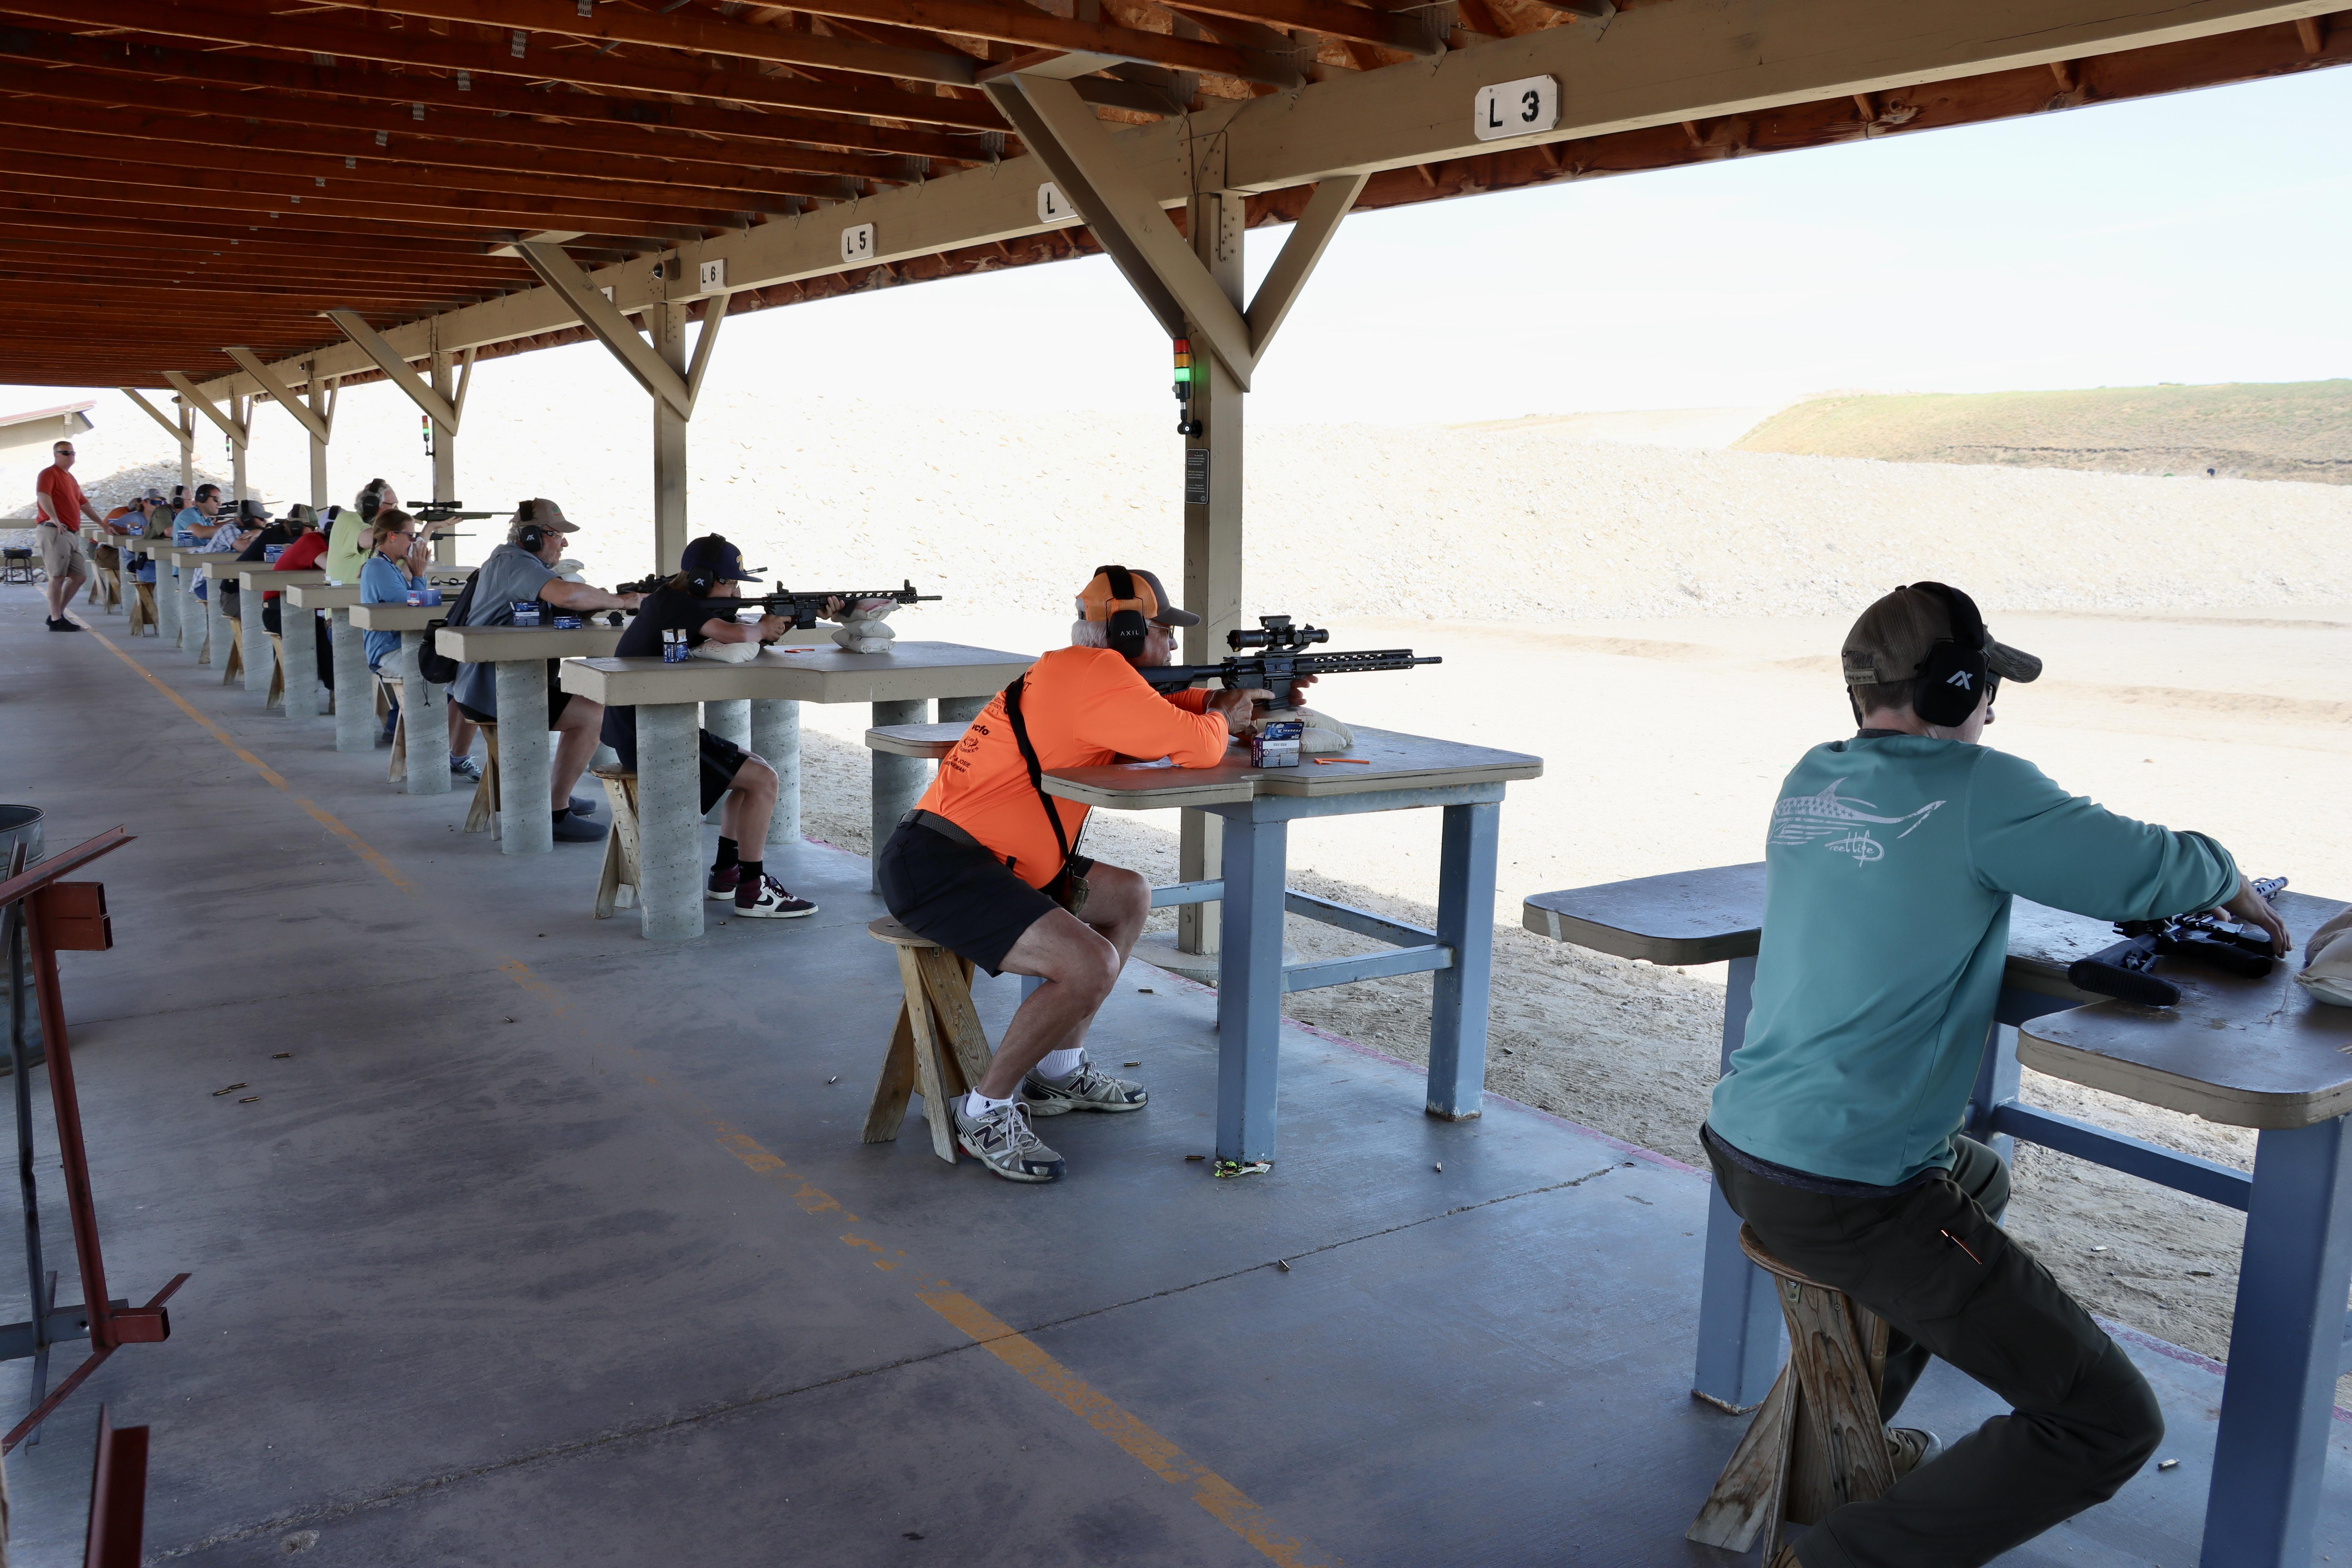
[
  {"x": 347, "y": 541},
  {"x": 1890, "y": 865}
]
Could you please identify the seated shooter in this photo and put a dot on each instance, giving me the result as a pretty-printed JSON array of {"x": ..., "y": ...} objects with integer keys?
[
  {"x": 1892, "y": 860},
  {"x": 710, "y": 568},
  {"x": 985, "y": 864}
]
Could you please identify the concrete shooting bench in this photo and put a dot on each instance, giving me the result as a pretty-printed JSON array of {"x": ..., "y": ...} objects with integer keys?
[
  {"x": 424, "y": 705},
  {"x": 1397, "y": 772},
  {"x": 2242, "y": 1052},
  {"x": 302, "y": 665},
  {"x": 517, "y": 655},
  {"x": 355, "y": 722},
  {"x": 756, "y": 705},
  {"x": 214, "y": 567}
]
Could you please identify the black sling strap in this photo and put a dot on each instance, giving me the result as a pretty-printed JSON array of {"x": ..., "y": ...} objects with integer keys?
[{"x": 1074, "y": 867}]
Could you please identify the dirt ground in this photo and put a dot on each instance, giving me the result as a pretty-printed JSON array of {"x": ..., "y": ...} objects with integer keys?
[{"x": 1664, "y": 741}]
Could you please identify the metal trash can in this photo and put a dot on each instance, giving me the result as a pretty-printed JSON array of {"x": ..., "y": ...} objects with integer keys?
[{"x": 19, "y": 825}]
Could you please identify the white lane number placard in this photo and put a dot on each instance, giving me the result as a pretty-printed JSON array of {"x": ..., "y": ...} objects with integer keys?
[
  {"x": 1522, "y": 108},
  {"x": 1052, "y": 206},
  {"x": 857, "y": 242},
  {"x": 713, "y": 274}
]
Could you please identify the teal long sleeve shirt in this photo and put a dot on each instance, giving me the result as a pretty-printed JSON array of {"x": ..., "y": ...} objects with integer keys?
[{"x": 1889, "y": 869}]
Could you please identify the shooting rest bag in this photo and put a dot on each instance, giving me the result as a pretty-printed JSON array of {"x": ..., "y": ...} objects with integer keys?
[
  {"x": 1324, "y": 735},
  {"x": 864, "y": 631},
  {"x": 2327, "y": 964},
  {"x": 724, "y": 652}
]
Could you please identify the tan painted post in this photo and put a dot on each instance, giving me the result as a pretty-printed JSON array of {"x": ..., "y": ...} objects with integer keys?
[
  {"x": 240, "y": 409},
  {"x": 187, "y": 455},
  {"x": 1212, "y": 529},
  {"x": 445, "y": 453},
  {"x": 319, "y": 393},
  {"x": 667, "y": 324}
]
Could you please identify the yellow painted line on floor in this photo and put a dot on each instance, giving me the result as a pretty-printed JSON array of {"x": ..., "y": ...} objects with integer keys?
[{"x": 324, "y": 818}]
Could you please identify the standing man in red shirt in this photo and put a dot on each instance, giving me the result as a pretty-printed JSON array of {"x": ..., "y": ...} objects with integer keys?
[{"x": 58, "y": 507}]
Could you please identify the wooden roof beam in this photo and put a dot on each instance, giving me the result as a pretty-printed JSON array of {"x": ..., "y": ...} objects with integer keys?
[
  {"x": 195, "y": 398},
  {"x": 487, "y": 107},
  {"x": 416, "y": 48},
  {"x": 383, "y": 355},
  {"x": 171, "y": 427},
  {"x": 136, "y": 119},
  {"x": 1407, "y": 32}
]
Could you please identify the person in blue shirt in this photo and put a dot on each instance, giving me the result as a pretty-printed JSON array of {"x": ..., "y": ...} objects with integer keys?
[
  {"x": 395, "y": 566},
  {"x": 1890, "y": 865}
]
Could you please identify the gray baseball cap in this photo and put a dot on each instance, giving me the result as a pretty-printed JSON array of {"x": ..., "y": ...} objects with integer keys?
[{"x": 1891, "y": 640}]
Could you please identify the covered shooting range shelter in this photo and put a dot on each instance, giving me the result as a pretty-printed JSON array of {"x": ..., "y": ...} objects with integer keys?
[{"x": 398, "y": 188}]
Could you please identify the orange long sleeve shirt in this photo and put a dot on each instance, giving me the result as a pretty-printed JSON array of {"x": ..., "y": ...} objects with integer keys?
[{"x": 1084, "y": 707}]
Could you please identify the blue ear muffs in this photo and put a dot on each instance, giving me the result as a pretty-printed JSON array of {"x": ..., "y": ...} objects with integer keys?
[{"x": 1952, "y": 678}]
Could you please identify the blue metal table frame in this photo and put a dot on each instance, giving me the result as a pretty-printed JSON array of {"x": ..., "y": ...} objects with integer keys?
[{"x": 2290, "y": 1336}]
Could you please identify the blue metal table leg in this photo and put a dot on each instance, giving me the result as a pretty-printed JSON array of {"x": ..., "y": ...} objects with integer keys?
[
  {"x": 1465, "y": 922},
  {"x": 1249, "y": 986},
  {"x": 2285, "y": 1345},
  {"x": 1738, "y": 1312}
]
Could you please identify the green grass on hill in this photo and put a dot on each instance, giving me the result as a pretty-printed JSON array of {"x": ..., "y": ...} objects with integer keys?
[{"x": 2284, "y": 430}]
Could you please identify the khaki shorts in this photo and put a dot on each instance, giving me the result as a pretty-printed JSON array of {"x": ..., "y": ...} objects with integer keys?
[{"x": 61, "y": 552}]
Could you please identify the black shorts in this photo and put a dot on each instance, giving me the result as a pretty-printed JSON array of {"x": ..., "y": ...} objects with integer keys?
[
  {"x": 721, "y": 758},
  {"x": 558, "y": 700},
  {"x": 958, "y": 895}
]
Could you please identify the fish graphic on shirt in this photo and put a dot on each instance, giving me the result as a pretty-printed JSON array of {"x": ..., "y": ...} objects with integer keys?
[{"x": 1802, "y": 818}]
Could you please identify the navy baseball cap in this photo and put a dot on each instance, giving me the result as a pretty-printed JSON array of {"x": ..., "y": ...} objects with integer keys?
[{"x": 714, "y": 555}]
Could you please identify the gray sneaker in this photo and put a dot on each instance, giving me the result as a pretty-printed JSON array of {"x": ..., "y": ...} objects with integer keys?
[
  {"x": 1909, "y": 1447},
  {"x": 466, "y": 768},
  {"x": 1001, "y": 1142},
  {"x": 1089, "y": 1088}
]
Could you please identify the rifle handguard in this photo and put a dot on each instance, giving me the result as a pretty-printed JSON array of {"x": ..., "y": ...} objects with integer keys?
[{"x": 2102, "y": 977}]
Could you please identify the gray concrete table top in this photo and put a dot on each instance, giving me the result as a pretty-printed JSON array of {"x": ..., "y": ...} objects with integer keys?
[
  {"x": 261, "y": 576},
  {"x": 398, "y": 617},
  {"x": 497, "y": 645},
  {"x": 930, "y": 741},
  {"x": 1383, "y": 759},
  {"x": 324, "y": 595},
  {"x": 218, "y": 565},
  {"x": 911, "y": 672},
  {"x": 2244, "y": 1053}
]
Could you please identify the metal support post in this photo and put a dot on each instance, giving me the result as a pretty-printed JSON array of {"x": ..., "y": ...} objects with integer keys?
[
  {"x": 526, "y": 805},
  {"x": 776, "y": 739},
  {"x": 667, "y": 324},
  {"x": 898, "y": 782},
  {"x": 424, "y": 720},
  {"x": 1996, "y": 1086},
  {"x": 1213, "y": 526},
  {"x": 1466, "y": 923},
  {"x": 670, "y": 829},
  {"x": 2269, "y": 1454},
  {"x": 729, "y": 720},
  {"x": 1249, "y": 986},
  {"x": 1738, "y": 1311},
  {"x": 355, "y": 726},
  {"x": 298, "y": 635}
]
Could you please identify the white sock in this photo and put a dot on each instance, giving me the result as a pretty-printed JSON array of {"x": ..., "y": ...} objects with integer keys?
[
  {"x": 1062, "y": 1063},
  {"x": 977, "y": 1105}
]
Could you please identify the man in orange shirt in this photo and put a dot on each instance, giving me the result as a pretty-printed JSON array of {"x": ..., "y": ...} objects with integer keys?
[
  {"x": 986, "y": 865},
  {"x": 58, "y": 507}
]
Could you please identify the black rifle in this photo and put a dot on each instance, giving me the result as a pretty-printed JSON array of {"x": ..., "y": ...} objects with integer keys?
[
  {"x": 2123, "y": 971},
  {"x": 1278, "y": 667},
  {"x": 804, "y": 610},
  {"x": 446, "y": 511}
]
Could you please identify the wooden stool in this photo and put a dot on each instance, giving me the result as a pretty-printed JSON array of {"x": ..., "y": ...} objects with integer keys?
[
  {"x": 1817, "y": 1442},
  {"x": 938, "y": 1048},
  {"x": 146, "y": 619},
  {"x": 276, "y": 696},
  {"x": 617, "y": 885},
  {"x": 396, "y": 770},
  {"x": 233, "y": 668},
  {"x": 484, "y": 812}
]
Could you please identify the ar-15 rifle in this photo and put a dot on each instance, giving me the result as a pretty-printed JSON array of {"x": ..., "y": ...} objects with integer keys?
[
  {"x": 804, "y": 610},
  {"x": 2123, "y": 971},
  {"x": 1279, "y": 667},
  {"x": 432, "y": 511}
]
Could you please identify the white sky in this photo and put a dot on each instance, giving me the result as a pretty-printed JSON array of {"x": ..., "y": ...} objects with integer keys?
[{"x": 2195, "y": 238}]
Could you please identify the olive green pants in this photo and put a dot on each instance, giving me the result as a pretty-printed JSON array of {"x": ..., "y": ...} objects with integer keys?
[{"x": 1936, "y": 1265}]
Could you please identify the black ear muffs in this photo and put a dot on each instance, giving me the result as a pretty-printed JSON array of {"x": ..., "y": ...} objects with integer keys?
[
  {"x": 1126, "y": 629},
  {"x": 700, "y": 581},
  {"x": 532, "y": 538},
  {"x": 1951, "y": 679}
]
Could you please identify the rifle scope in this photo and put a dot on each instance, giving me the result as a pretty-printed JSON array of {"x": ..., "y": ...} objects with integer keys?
[{"x": 1276, "y": 633}]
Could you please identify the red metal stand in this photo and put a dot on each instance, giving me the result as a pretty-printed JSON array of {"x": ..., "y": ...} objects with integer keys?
[
  {"x": 70, "y": 916},
  {"x": 117, "y": 1497}
]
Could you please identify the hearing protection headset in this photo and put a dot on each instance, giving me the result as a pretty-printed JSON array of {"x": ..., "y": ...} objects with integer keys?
[
  {"x": 372, "y": 500},
  {"x": 529, "y": 536},
  {"x": 1127, "y": 629},
  {"x": 1952, "y": 678}
]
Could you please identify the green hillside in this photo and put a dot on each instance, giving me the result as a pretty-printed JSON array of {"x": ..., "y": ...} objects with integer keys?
[{"x": 2283, "y": 430}]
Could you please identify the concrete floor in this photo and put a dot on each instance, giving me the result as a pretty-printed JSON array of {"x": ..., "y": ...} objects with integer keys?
[{"x": 549, "y": 1246}]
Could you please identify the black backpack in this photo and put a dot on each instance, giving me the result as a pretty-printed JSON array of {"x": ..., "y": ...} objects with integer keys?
[{"x": 431, "y": 662}]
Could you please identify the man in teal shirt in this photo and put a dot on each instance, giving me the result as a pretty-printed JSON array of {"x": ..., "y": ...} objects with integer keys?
[{"x": 1889, "y": 869}]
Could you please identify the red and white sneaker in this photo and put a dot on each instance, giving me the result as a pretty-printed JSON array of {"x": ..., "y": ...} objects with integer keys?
[
  {"x": 722, "y": 883},
  {"x": 772, "y": 901}
]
